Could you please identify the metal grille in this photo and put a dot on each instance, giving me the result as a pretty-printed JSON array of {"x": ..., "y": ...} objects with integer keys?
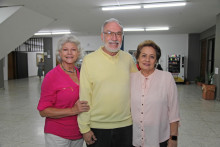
[{"x": 31, "y": 45}]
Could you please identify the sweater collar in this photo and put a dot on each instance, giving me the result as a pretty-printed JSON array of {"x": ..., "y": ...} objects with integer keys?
[{"x": 107, "y": 55}]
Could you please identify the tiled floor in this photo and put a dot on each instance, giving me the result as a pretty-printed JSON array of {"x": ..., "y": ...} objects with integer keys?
[{"x": 22, "y": 126}]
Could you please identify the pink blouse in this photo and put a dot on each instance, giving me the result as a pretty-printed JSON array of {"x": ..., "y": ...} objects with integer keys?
[
  {"x": 59, "y": 91},
  {"x": 154, "y": 105}
]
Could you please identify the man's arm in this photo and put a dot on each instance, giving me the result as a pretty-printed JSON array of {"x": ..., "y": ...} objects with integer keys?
[{"x": 85, "y": 95}]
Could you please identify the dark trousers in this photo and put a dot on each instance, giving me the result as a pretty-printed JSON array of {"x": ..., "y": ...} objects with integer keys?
[
  {"x": 119, "y": 137},
  {"x": 164, "y": 144}
]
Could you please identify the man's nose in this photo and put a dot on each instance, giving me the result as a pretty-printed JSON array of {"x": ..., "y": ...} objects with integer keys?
[{"x": 114, "y": 36}]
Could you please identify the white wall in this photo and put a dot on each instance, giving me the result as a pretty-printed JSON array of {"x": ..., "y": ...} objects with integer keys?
[
  {"x": 5, "y": 67},
  {"x": 32, "y": 66},
  {"x": 169, "y": 44}
]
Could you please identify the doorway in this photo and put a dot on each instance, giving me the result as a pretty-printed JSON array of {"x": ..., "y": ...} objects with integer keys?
[
  {"x": 207, "y": 58},
  {"x": 203, "y": 59},
  {"x": 17, "y": 65},
  {"x": 210, "y": 59}
]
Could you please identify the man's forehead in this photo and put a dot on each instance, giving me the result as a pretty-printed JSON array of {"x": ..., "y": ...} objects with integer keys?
[{"x": 112, "y": 25}]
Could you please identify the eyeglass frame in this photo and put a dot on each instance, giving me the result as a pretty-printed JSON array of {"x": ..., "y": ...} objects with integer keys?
[{"x": 113, "y": 33}]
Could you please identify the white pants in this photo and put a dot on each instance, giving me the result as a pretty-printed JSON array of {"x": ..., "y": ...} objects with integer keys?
[{"x": 56, "y": 141}]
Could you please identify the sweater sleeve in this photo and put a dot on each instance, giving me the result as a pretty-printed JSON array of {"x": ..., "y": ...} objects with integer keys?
[
  {"x": 85, "y": 95},
  {"x": 173, "y": 104}
]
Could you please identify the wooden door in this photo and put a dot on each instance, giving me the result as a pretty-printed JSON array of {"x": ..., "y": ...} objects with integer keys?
[{"x": 11, "y": 66}]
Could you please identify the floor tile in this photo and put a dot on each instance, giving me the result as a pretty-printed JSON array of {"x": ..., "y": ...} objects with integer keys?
[{"x": 22, "y": 126}]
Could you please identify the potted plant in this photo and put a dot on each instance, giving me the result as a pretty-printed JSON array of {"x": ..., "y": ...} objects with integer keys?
[
  {"x": 199, "y": 81},
  {"x": 187, "y": 82},
  {"x": 210, "y": 78},
  {"x": 208, "y": 90}
]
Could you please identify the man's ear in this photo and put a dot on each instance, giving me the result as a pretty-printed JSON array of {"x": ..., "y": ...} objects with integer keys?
[{"x": 102, "y": 36}]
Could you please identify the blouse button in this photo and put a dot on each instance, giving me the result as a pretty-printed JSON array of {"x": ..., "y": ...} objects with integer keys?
[
  {"x": 141, "y": 112},
  {"x": 142, "y": 95}
]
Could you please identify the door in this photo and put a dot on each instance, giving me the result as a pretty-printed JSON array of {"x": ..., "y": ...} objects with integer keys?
[
  {"x": 210, "y": 61},
  {"x": 21, "y": 65},
  {"x": 11, "y": 66},
  {"x": 203, "y": 59}
]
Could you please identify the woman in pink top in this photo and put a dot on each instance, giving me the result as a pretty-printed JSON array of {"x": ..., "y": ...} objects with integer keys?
[
  {"x": 59, "y": 101},
  {"x": 154, "y": 101}
]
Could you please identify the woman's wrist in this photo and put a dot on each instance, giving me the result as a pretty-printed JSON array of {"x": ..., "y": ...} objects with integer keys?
[{"x": 173, "y": 137}]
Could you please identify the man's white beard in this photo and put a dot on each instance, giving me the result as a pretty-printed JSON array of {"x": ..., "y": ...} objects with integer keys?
[{"x": 112, "y": 50}]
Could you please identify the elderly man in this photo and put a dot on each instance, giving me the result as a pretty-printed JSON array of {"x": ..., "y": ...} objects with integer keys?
[{"x": 105, "y": 84}]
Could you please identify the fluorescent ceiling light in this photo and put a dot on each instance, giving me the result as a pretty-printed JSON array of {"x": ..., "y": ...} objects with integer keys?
[
  {"x": 58, "y": 33},
  {"x": 121, "y": 7},
  {"x": 133, "y": 29},
  {"x": 168, "y": 4},
  {"x": 53, "y": 33},
  {"x": 156, "y": 28},
  {"x": 42, "y": 33},
  {"x": 145, "y": 29}
]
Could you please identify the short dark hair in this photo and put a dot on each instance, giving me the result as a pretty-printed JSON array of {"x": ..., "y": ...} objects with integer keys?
[{"x": 149, "y": 43}]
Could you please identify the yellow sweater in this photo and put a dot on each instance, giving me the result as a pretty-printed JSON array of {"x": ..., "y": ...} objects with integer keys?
[{"x": 105, "y": 84}]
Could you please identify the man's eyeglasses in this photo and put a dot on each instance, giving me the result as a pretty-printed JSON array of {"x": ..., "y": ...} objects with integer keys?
[{"x": 118, "y": 34}]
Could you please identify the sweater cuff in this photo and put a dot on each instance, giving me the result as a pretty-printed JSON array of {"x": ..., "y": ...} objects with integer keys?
[{"x": 85, "y": 129}]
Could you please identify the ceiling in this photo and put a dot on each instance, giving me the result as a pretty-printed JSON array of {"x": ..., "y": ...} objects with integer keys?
[{"x": 85, "y": 17}]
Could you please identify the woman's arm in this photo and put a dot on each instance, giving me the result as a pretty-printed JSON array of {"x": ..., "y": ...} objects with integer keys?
[
  {"x": 174, "y": 128},
  {"x": 174, "y": 116},
  {"x": 80, "y": 106},
  {"x": 173, "y": 132}
]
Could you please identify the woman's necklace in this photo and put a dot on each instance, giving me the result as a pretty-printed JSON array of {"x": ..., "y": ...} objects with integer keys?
[{"x": 74, "y": 70}]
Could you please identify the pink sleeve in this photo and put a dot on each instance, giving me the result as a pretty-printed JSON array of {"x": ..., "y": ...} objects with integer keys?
[
  {"x": 173, "y": 103},
  {"x": 48, "y": 94}
]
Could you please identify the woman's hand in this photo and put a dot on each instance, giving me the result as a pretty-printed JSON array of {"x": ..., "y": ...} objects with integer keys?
[
  {"x": 172, "y": 143},
  {"x": 80, "y": 106}
]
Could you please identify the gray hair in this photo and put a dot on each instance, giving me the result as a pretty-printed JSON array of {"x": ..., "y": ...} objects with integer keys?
[
  {"x": 111, "y": 20},
  {"x": 65, "y": 39}
]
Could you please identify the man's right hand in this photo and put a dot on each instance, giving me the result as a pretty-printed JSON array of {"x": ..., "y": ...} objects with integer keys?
[{"x": 89, "y": 137}]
